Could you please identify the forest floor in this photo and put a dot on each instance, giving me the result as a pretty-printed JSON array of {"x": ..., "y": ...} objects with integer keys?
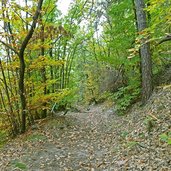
[{"x": 97, "y": 140}]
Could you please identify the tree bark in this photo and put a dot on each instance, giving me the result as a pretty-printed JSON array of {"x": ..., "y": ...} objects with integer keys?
[
  {"x": 146, "y": 61},
  {"x": 13, "y": 119},
  {"x": 43, "y": 72},
  {"x": 20, "y": 54},
  {"x": 22, "y": 65}
]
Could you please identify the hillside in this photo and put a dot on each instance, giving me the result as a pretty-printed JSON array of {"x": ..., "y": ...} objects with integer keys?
[
  {"x": 97, "y": 140},
  {"x": 85, "y": 85}
]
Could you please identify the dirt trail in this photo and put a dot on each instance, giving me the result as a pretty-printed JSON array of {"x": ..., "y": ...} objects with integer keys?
[
  {"x": 94, "y": 140},
  {"x": 79, "y": 141}
]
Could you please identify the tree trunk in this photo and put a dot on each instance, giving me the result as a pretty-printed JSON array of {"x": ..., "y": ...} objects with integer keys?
[
  {"x": 22, "y": 65},
  {"x": 146, "y": 61},
  {"x": 43, "y": 72},
  {"x": 13, "y": 119}
]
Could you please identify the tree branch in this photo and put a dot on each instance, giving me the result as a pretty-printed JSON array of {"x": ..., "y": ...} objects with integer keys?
[
  {"x": 31, "y": 31},
  {"x": 10, "y": 47},
  {"x": 167, "y": 38}
]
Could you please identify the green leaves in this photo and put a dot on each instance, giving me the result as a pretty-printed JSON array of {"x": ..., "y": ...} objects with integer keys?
[
  {"x": 18, "y": 165},
  {"x": 36, "y": 137},
  {"x": 3, "y": 136},
  {"x": 131, "y": 144},
  {"x": 126, "y": 96},
  {"x": 166, "y": 137}
]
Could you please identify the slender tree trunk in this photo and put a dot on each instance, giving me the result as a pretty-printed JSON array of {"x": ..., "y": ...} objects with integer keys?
[
  {"x": 69, "y": 65},
  {"x": 3, "y": 105},
  {"x": 62, "y": 74},
  {"x": 43, "y": 72},
  {"x": 146, "y": 61},
  {"x": 14, "y": 122},
  {"x": 22, "y": 92},
  {"x": 51, "y": 70},
  {"x": 22, "y": 65}
]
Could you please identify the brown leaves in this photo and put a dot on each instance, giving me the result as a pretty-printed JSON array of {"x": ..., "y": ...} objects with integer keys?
[{"x": 96, "y": 140}]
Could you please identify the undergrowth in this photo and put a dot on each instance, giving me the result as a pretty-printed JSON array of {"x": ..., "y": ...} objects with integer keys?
[
  {"x": 3, "y": 138},
  {"x": 125, "y": 97}
]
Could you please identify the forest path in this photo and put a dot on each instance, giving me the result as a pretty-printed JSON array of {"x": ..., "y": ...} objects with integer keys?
[
  {"x": 94, "y": 140},
  {"x": 77, "y": 141}
]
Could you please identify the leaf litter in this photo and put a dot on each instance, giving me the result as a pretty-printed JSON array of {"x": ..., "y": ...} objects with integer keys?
[{"x": 97, "y": 140}]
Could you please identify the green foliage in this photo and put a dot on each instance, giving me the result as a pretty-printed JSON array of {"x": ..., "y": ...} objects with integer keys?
[
  {"x": 131, "y": 144},
  {"x": 125, "y": 97},
  {"x": 3, "y": 138},
  {"x": 119, "y": 33},
  {"x": 166, "y": 138},
  {"x": 91, "y": 92},
  {"x": 103, "y": 97},
  {"x": 66, "y": 55},
  {"x": 68, "y": 100},
  {"x": 149, "y": 123},
  {"x": 36, "y": 137},
  {"x": 19, "y": 165},
  {"x": 124, "y": 134}
]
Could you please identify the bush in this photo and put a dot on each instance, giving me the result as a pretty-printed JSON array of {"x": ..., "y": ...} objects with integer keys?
[{"x": 125, "y": 97}]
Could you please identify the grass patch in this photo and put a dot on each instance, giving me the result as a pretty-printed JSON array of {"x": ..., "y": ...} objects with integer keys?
[
  {"x": 19, "y": 165},
  {"x": 36, "y": 137},
  {"x": 131, "y": 144}
]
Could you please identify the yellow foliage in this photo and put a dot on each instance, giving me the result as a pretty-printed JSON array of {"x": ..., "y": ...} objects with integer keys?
[
  {"x": 43, "y": 61},
  {"x": 40, "y": 99},
  {"x": 92, "y": 87}
]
